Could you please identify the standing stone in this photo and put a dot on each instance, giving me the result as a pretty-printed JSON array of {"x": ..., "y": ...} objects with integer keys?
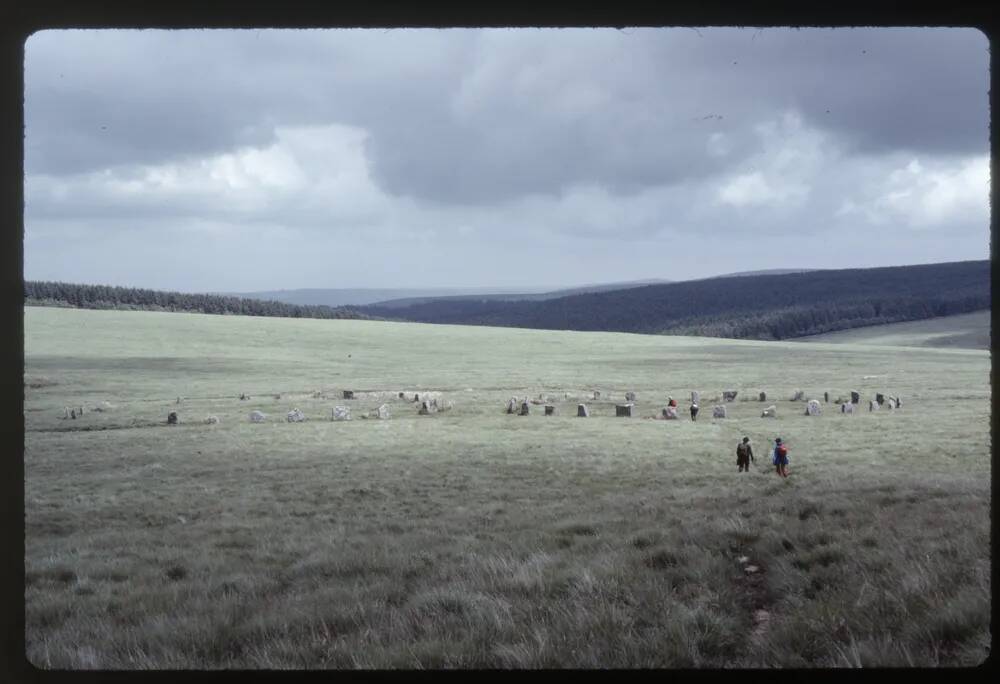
[
  {"x": 295, "y": 416},
  {"x": 597, "y": 394},
  {"x": 416, "y": 398},
  {"x": 172, "y": 418},
  {"x": 847, "y": 407},
  {"x": 72, "y": 414},
  {"x": 812, "y": 408},
  {"x": 630, "y": 396},
  {"x": 826, "y": 397},
  {"x": 581, "y": 411},
  {"x": 401, "y": 395},
  {"x": 695, "y": 398},
  {"x": 762, "y": 396},
  {"x": 729, "y": 395},
  {"x": 178, "y": 400},
  {"x": 348, "y": 394},
  {"x": 873, "y": 405},
  {"x": 212, "y": 420},
  {"x": 719, "y": 411},
  {"x": 880, "y": 398},
  {"x": 797, "y": 396},
  {"x": 670, "y": 413},
  {"x": 624, "y": 410},
  {"x": 550, "y": 410},
  {"x": 899, "y": 402},
  {"x": 855, "y": 397},
  {"x": 341, "y": 413},
  {"x": 512, "y": 405},
  {"x": 257, "y": 417},
  {"x": 382, "y": 412},
  {"x": 525, "y": 408}
]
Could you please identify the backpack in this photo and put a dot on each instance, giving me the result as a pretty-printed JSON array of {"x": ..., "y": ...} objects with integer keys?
[{"x": 741, "y": 450}]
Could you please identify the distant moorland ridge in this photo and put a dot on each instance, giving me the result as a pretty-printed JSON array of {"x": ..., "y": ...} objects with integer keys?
[{"x": 764, "y": 307}]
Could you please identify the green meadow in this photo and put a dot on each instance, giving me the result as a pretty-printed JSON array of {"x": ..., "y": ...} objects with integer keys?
[{"x": 476, "y": 539}]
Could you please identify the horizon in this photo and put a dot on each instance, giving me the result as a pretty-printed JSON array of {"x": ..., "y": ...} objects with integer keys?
[
  {"x": 486, "y": 289},
  {"x": 263, "y": 160}
]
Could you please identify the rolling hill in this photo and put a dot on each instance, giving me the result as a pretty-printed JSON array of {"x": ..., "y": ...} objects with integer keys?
[
  {"x": 961, "y": 331},
  {"x": 745, "y": 307}
]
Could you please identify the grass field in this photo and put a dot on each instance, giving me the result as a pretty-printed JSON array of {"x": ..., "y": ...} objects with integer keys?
[
  {"x": 472, "y": 538},
  {"x": 962, "y": 331}
]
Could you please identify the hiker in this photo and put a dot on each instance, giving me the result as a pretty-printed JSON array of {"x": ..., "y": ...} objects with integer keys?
[
  {"x": 780, "y": 457},
  {"x": 744, "y": 454},
  {"x": 671, "y": 401},
  {"x": 694, "y": 411}
]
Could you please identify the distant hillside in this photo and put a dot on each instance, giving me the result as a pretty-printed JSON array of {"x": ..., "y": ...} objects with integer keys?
[
  {"x": 38, "y": 293},
  {"x": 769, "y": 271},
  {"x": 407, "y": 297},
  {"x": 520, "y": 296},
  {"x": 767, "y": 307},
  {"x": 961, "y": 331},
  {"x": 359, "y": 296}
]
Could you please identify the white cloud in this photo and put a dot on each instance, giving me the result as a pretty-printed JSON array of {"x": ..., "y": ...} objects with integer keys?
[{"x": 925, "y": 196}]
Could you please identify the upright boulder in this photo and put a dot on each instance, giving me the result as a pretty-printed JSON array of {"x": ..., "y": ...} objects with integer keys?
[
  {"x": 257, "y": 417},
  {"x": 880, "y": 398},
  {"x": 382, "y": 412},
  {"x": 512, "y": 405},
  {"x": 341, "y": 413},
  {"x": 762, "y": 396},
  {"x": 719, "y": 411},
  {"x": 525, "y": 408},
  {"x": 295, "y": 416},
  {"x": 212, "y": 420},
  {"x": 695, "y": 397},
  {"x": 597, "y": 394},
  {"x": 348, "y": 394},
  {"x": 826, "y": 397},
  {"x": 550, "y": 410},
  {"x": 624, "y": 410},
  {"x": 172, "y": 418},
  {"x": 729, "y": 395},
  {"x": 873, "y": 405},
  {"x": 581, "y": 411},
  {"x": 630, "y": 396},
  {"x": 855, "y": 397},
  {"x": 812, "y": 408},
  {"x": 797, "y": 396},
  {"x": 847, "y": 407}
]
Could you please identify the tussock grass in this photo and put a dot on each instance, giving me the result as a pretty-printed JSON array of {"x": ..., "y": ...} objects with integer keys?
[{"x": 476, "y": 539}]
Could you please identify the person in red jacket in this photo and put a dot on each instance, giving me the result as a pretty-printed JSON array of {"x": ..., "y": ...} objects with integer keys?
[
  {"x": 780, "y": 457},
  {"x": 671, "y": 401}
]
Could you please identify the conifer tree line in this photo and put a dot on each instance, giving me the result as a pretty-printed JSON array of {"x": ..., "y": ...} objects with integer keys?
[
  {"x": 762, "y": 307},
  {"x": 47, "y": 293}
]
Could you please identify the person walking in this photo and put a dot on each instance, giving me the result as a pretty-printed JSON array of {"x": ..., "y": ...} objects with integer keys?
[
  {"x": 780, "y": 457},
  {"x": 694, "y": 411},
  {"x": 744, "y": 454}
]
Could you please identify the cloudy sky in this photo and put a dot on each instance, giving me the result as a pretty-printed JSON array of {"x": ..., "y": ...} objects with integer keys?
[{"x": 247, "y": 160}]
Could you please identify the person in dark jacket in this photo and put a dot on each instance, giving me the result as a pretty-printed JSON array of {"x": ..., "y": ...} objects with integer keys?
[
  {"x": 694, "y": 411},
  {"x": 744, "y": 454}
]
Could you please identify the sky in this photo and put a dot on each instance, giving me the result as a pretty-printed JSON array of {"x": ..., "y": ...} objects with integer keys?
[{"x": 241, "y": 160}]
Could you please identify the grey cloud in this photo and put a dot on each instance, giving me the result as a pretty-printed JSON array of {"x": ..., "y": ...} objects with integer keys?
[{"x": 481, "y": 116}]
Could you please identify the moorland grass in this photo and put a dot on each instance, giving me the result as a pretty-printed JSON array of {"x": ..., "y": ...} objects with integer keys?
[{"x": 476, "y": 539}]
